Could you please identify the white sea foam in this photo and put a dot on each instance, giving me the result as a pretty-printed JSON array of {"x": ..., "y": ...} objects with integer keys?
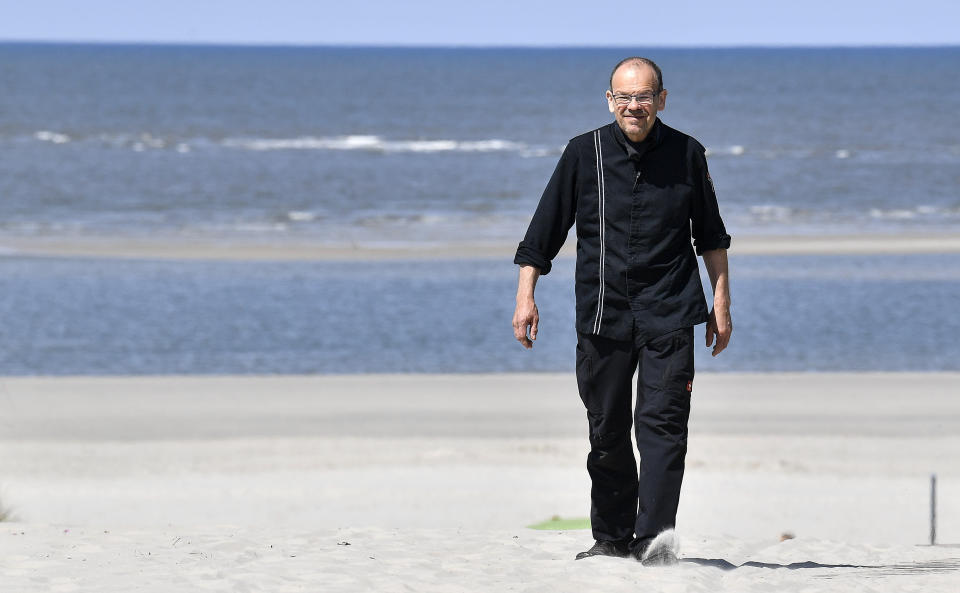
[
  {"x": 735, "y": 150},
  {"x": 921, "y": 211},
  {"x": 491, "y": 145},
  {"x": 398, "y": 218},
  {"x": 48, "y": 136},
  {"x": 304, "y": 143},
  {"x": 540, "y": 152},
  {"x": 253, "y": 227},
  {"x": 419, "y": 146},
  {"x": 771, "y": 212},
  {"x": 301, "y": 216},
  {"x": 893, "y": 214},
  {"x": 148, "y": 139},
  {"x": 373, "y": 144}
]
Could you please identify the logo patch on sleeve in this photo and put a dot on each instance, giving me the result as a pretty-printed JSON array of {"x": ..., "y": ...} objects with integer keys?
[{"x": 689, "y": 385}]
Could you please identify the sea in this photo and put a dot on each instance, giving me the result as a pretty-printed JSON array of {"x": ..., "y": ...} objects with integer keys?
[{"x": 401, "y": 147}]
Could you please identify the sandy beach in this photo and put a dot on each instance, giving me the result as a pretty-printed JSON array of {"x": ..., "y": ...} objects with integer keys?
[{"x": 428, "y": 483}]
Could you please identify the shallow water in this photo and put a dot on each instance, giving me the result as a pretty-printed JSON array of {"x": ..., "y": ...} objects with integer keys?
[{"x": 101, "y": 316}]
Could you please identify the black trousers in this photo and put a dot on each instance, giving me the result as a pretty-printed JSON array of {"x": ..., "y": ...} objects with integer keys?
[{"x": 626, "y": 506}]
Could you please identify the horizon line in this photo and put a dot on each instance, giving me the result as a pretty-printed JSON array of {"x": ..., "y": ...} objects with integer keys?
[{"x": 470, "y": 46}]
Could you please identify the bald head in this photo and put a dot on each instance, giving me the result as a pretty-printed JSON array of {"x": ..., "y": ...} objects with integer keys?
[{"x": 638, "y": 62}]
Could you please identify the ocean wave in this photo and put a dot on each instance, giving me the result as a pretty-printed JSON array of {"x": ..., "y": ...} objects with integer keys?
[
  {"x": 304, "y": 143},
  {"x": 54, "y": 137},
  {"x": 785, "y": 214},
  {"x": 146, "y": 141},
  {"x": 733, "y": 150},
  {"x": 369, "y": 143},
  {"x": 917, "y": 212},
  {"x": 737, "y": 150},
  {"x": 374, "y": 144},
  {"x": 772, "y": 213},
  {"x": 301, "y": 216}
]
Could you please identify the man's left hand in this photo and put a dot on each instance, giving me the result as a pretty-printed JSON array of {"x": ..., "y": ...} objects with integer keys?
[{"x": 721, "y": 326}]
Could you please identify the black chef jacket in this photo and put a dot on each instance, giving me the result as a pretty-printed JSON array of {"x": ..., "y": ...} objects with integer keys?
[{"x": 635, "y": 206}]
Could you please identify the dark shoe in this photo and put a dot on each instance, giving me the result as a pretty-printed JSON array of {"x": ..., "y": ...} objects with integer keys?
[
  {"x": 606, "y": 548},
  {"x": 638, "y": 548}
]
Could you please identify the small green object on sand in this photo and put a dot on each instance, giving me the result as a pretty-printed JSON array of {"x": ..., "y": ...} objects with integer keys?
[{"x": 557, "y": 524}]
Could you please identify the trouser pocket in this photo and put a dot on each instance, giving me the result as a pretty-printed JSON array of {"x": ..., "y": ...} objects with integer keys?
[{"x": 670, "y": 357}]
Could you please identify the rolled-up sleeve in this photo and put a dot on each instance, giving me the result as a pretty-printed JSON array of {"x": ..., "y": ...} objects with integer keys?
[
  {"x": 707, "y": 227},
  {"x": 553, "y": 218}
]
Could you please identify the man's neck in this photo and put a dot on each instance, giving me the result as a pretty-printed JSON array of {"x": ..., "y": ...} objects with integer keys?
[
  {"x": 636, "y": 150},
  {"x": 641, "y": 143}
]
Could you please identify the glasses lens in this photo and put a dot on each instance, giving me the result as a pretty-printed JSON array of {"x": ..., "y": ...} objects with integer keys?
[{"x": 640, "y": 99}]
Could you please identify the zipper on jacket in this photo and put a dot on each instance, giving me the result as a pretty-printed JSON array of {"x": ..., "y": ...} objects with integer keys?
[{"x": 636, "y": 183}]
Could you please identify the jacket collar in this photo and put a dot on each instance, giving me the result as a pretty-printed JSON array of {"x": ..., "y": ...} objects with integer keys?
[{"x": 634, "y": 151}]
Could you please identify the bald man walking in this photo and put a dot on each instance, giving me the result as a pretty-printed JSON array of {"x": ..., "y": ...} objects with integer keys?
[{"x": 644, "y": 206}]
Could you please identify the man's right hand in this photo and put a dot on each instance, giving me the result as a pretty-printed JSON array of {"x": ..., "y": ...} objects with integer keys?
[
  {"x": 526, "y": 317},
  {"x": 525, "y": 321}
]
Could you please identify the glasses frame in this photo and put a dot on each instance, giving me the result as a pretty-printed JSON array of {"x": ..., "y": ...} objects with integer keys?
[{"x": 618, "y": 98}]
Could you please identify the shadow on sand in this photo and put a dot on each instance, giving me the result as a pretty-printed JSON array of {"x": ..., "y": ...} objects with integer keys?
[{"x": 932, "y": 566}]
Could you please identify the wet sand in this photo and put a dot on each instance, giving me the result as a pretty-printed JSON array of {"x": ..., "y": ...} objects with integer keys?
[{"x": 196, "y": 247}]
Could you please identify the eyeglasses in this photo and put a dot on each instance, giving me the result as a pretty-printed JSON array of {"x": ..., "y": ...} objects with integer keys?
[{"x": 641, "y": 99}]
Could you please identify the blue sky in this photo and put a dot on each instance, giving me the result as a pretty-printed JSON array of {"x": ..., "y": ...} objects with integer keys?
[{"x": 488, "y": 22}]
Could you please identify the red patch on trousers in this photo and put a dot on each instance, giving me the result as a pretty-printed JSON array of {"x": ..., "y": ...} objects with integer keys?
[{"x": 689, "y": 385}]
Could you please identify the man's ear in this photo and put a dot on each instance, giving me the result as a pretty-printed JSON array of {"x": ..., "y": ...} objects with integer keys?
[
  {"x": 662, "y": 100},
  {"x": 610, "y": 103}
]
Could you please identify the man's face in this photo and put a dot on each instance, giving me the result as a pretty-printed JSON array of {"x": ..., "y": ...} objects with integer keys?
[{"x": 635, "y": 117}]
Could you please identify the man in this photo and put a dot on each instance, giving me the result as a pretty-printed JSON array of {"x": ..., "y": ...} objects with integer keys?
[{"x": 637, "y": 190}]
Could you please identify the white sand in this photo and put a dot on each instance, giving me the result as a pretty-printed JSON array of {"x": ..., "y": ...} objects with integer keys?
[{"x": 258, "y": 484}]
